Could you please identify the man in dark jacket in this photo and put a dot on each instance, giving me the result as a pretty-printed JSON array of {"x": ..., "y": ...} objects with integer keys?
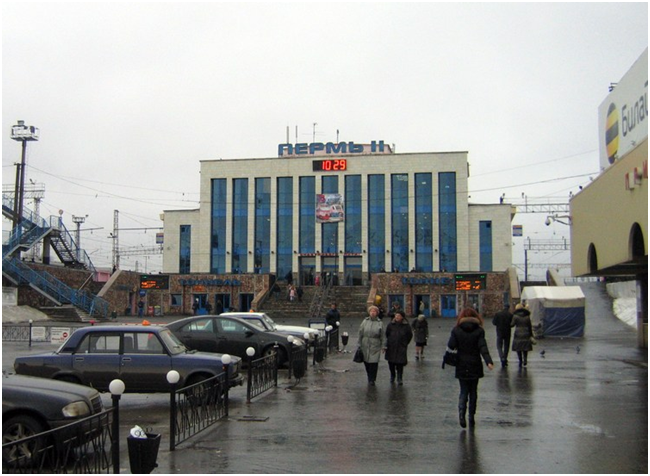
[
  {"x": 502, "y": 320},
  {"x": 333, "y": 318}
]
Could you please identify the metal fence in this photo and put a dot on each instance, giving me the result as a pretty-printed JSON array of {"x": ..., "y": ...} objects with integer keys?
[
  {"x": 298, "y": 361},
  {"x": 262, "y": 376},
  {"x": 24, "y": 333},
  {"x": 83, "y": 447},
  {"x": 196, "y": 407}
]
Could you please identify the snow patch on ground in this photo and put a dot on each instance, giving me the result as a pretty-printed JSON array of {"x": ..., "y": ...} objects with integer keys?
[{"x": 22, "y": 314}]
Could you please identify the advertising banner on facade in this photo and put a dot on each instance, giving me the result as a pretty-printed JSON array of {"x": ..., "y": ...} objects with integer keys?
[
  {"x": 329, "y": 208},
  {"x": 622, "y": 117}
]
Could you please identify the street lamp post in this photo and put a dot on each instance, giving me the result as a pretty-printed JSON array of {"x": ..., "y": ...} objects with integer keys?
[{"x": 21, "y": 133}]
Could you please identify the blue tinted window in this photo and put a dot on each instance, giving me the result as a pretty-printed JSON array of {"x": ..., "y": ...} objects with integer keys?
[
  {"x": 284, "y": 225},
  {"x": 353, "y": 214},
  {"x": 423, "y": 223},
  {"x": 400, "y": 222},
  {"x": 185, "y": 251},
  {"x": 376, "y": 224},
  {"x": 262, "y": 254},
  {"x": 330, "y": 231},
  {"x": 447, "y": 226},
  {"x": 218, "y": 227},
  {"x": 307, "y": 214},
  {"x": 240, "y": 226},
  {"x": 485, "y": 245}
]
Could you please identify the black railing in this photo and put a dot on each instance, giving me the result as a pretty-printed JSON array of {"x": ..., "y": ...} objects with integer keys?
[
  {"x": 83, "y": 447},
  {"x": 298, "y": 361},
  {"x": 320, "y": 350},
  {"x": 333, "y": 340},
  {"x": 196, "y": 407},
  {"x": 262, "y": 375}
]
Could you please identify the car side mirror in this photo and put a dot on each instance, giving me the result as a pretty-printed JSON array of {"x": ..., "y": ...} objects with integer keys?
[{"x": 249, "y": 333}]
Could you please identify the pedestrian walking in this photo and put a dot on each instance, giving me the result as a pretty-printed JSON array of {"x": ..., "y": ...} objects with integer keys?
[
  {"x": 398, "y": 337},
  {"x": 208, "y": 307},
  {"x": 140, "y": 308},
  {"x": 420, "y": 335},
  {"x": 521, "y": 340},
  {"x": 195, "y": 307},
  {"x": 292, "y": 293},
  {"x": 468, "y": 338},
  {"x": 502, "y": 321},
  {"x": 219, "y": 308},
  {"x": 371, "y": 343}
]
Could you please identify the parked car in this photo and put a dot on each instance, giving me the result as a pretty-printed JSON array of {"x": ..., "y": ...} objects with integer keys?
[
  {"x": 33, "y": 405},
  {"x": 230, "y": 334},
  {"x": 266, "y": 323},
  {"x": 140, "y": 356}
]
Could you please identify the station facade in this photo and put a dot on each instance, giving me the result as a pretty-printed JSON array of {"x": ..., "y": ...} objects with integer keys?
[
  {"x": 337, "y": 211},
  {"x": 609, "y": 217}
]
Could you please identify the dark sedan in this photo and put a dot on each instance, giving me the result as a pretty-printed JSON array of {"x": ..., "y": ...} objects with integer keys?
[
  {"x": 231, "y": 335},
  {"x": 33, "y": 405},
  {"x": 140, "y": 356}
]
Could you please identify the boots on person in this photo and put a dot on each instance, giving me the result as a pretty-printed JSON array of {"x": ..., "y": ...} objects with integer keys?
[
  {"x": 461, "y": 416},
  {"x": 470, "y": 420}
]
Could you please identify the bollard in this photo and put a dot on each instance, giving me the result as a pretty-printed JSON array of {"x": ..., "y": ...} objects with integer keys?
[
  {"x": 172, "y": 377},
  {"x": 116, "y": 387}
]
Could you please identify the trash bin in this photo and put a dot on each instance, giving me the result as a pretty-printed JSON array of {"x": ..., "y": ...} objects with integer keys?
[{"x": 143, "y": 453}]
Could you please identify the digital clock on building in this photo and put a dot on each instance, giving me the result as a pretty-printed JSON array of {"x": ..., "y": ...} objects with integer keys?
[
  {"x": 470, "y": 282},
  {"x": 330, "y": 165}
]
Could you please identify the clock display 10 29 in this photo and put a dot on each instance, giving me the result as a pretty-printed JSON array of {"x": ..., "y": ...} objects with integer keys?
[{"x": 330, "y": 165}]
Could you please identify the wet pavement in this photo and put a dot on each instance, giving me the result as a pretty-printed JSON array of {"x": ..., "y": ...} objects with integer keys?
[{"x": 581, "y": 408}]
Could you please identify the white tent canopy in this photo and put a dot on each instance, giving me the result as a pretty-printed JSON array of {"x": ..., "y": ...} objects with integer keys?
[{"x": 558, "y": 311}]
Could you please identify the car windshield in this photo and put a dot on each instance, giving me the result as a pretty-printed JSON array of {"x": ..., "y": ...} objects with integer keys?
[
  {"x": 174, "y": 345},
  {"x": 269, "y": 322}
]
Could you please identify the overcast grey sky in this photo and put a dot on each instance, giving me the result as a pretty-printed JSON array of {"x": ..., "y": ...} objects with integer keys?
[{"x": 130, "y": 97}]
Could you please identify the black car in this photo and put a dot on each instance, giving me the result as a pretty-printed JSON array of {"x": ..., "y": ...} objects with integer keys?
[
  {"x": 140, "y": 356},
  {"x": 33, "y": 405},
  {"x": 231, "y": 335}
]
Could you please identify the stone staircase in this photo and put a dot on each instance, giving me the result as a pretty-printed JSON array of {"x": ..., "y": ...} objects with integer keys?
[
  {"x": 67, "y": 313},
  {"x": 350, "y": 300}
]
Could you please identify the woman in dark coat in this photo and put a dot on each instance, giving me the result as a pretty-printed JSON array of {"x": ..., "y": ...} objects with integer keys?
[
  {"x": 468, "y": 337},
  {"x": 523, "y": 332},
  {"x": 398, "y": 336},
  {"x": 421, "y": 335}
]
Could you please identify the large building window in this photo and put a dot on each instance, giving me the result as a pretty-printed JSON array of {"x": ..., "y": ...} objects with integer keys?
[
  {"x": 423, "y": 223},
  {"x": 400, "y": 222},
  {"x": 284, "y": 226},
  {"x": 262, "y": 255},
  {"x": 240, "y": 225},
  {"x": 447, "y": 226},
  {"x": 218, "y": 227},
  {"x": 307, "y": 214},
  {"x": 353, "y": 214},
  {"x": 185, "y": 251},
  {"x": 330, "y": 231},
  {"x": 376, "y": 224},
  {"x": 485, "y": 245}
]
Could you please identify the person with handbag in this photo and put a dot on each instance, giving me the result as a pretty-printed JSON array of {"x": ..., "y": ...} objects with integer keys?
[
  {"x": 371, "y": 343},
  {"x": 522, "y": 339},
  {"x": 468, "y": 338},
  {"x": 398, "y": 337}
]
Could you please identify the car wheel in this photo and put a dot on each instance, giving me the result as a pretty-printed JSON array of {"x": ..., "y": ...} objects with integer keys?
[
  {"x": 199, "y": 394},
  {"x": 14, "y": 429},
  {"x": 282, "y": 354}
]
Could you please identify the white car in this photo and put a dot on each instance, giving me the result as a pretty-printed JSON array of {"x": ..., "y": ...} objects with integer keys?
[{"x": 263, "y": 321}]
